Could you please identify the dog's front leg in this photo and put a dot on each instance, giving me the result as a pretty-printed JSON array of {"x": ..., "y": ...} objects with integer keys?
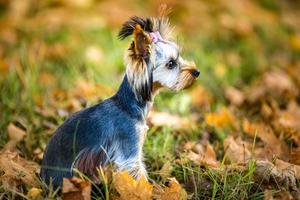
[
  {"x": 130, "y": 157},
  {"x": 133, "y": 164},
  {"x": 142, "y": 132}
]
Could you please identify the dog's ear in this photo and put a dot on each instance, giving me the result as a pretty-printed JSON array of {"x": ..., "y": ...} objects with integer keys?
[
  {"x": 138, "y": 70},
  {"x": 142, "y": 41},
  {"x": 129, "y": 26}
]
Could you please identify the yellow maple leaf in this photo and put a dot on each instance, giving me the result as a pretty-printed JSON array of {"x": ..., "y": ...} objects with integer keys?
[{"x": 129, "y": 188}]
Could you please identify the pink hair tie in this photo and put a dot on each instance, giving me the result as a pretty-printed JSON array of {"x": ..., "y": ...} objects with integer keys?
[{"x": 155, "y": 36}]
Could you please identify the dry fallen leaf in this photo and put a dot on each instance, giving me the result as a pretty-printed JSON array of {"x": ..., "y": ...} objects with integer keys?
[
  {"x": 275, "y": 195},
  {"x": 74, "y": 105},
  {"x": 276, "y": 84},
  {"x": 266, "y": 111},
  {"x": 282, "y": 165},
  {"x": 295, "y": 156},
  {"x": 270, "y": 174},
  {"x": 204, "y": 156},
  {"x": 273, "y": 145},
  {"x": 15, "y": 135},
  {"x": 128, "y": 188},
  {"x": 201, "y": 97},
  {"x": 189, "y": 145},
  {"x": 88, "y": 90},
  {"x": 38, "y": 152},
  {"x": 268, "y": 195},
  {"x": 220, "y": 119},
  {"x": 236, "y": 150},
  {"x": 278, "y": 81},
  {"x": 34, "y": 193},
  {"x": 173, "y": 192},
  {"x": 76, "y": 189},
  {"x": 16, "y": 170},
  {"x": 234, "y": 96},
  {"x": 169, "y": 120},
  {"x": 58, "y": 94},
  {"x": 288, "y": 121}
]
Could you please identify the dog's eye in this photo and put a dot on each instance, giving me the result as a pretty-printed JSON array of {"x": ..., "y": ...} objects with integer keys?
[{"x": 171, "y": 64}]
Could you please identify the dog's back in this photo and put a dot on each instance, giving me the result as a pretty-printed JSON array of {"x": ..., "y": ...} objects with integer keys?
[{"x": 90, "y": 137}]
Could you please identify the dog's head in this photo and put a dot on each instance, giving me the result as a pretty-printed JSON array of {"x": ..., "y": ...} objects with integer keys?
[{"x": 153, "y": 58}]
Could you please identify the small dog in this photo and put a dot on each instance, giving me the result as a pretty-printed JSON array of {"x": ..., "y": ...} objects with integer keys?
[{"x": 113, "y": 131}]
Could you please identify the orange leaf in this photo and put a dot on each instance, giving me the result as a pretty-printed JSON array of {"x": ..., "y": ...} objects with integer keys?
[
  {"x": 128, "y": 188},
  {"x": 201, "y": 97},
  {"x": 173, "y": 192},
  {"x": 76, "y": 189},
  {"x": 220, "y": 119}
]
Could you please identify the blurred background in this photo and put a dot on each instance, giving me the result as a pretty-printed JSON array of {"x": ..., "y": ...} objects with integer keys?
[{"x": 59, "y": 56}]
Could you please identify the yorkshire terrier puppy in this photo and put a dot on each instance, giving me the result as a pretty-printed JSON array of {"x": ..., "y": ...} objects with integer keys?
[{"x": 113, "y": 131}]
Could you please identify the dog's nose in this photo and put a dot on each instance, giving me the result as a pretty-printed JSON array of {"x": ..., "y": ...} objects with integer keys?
[{"x": 195, "y": 73}]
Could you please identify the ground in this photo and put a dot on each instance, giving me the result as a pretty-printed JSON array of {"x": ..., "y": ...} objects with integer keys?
[{"x": 234, "y": 135}]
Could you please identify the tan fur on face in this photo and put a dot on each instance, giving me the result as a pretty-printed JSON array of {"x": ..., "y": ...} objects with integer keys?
[
  {"x": 186, "y": 78},
  {"x": 156, "y": 87}
]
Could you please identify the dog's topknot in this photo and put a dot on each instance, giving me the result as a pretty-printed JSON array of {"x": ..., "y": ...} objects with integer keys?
[
  {"x": 128, "y": 27},
  {"x": 160, "y": 24}
]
